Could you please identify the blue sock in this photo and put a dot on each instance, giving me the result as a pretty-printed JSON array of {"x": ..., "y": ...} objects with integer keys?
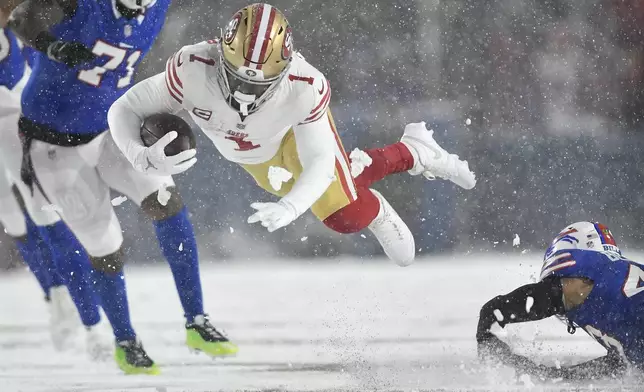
[
  {"x": 73, "y": 265},
  {"x": 110, "y": 287},
  {"x": 44, "y": 249},
  {"x": 178, "y": 244},
  {"x": 30, "y": 251}
]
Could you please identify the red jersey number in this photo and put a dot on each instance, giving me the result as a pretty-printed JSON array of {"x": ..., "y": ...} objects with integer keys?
[{"x": 242, "y": 145}]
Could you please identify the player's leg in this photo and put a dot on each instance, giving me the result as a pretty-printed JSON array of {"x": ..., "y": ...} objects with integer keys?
[
  {"x": 68, "y": 178},
  {"x": 12, "y": 216},
  {"x": 68, "y": 263},
  {"x": 416, "y": 153},
  {"x": 66, "y": 259},
  {"x": 15, "y": 225},
  {"x": 61, "y": 300},
  {"x": 37, "y": 252},
  {"x": 345, "y": 207},
  {"x": 176, "y": 239}
]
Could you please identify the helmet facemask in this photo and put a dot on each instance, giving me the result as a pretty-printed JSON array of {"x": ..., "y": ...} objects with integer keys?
[{"x": 246, "y": 89}]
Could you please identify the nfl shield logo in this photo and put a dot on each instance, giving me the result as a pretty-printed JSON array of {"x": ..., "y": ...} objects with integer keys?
[{"x": 127, "y": 30}]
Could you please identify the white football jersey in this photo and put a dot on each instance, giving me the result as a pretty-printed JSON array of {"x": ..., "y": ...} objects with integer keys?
[{"x": 301, "y": 97}]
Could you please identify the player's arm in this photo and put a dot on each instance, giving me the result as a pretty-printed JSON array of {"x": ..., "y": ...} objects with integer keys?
[
  {"x": 531, "y": 302},
  {"x": 125, "y": 117},
  {"x": 316, "y": 151},
  {"x": 32, "y": 22},
  {"x": 534, "y": 302},
  {"x": 316, "y": 146}
]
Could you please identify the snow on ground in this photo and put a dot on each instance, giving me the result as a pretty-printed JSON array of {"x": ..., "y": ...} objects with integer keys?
[{"x": 303, "y": 325}]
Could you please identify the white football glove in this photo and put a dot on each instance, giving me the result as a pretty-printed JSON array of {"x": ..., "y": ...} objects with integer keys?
[
  {"x": 153, "y": 160},
  {"x": 273, "y": 215}
]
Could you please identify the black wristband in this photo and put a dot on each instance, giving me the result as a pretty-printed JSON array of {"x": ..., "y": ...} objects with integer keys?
[{"x": 43, "y": 41}]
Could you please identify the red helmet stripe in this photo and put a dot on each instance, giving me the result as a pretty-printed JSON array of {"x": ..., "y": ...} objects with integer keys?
[
  {"x": 257, "y": 20},
  {"x": 267, "y": 35},
  {"x": 260, "y": 34},
  {"x": 605, "y": 234}
]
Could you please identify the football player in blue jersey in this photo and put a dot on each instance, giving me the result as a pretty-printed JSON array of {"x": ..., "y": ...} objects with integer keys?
[
  {"x": 88, "y": 53},
  {"x": 585, "y": 280},
  {"x": 53, "y": 266}
]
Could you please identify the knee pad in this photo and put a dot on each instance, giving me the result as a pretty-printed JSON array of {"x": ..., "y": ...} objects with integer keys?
[
  {"x": 110, "y": 264},
  {"x": 355, "y": 216},
  {"x": 157, "y": 211}
]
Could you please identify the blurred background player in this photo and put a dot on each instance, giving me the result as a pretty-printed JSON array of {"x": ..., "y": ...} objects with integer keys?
[
  {"x": 586, "y": 280},
  {"x": 266, "y": 108},
  {"x": 53, "y": 266},
  {"x": 89, "y": 51}
]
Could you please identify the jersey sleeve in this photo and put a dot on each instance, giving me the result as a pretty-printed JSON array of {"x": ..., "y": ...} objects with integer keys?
[
  {"x": 316, "y": 146},
  {"x": 186, "y": 69},
  {"x": 317, "y": 98},
  {"x": 174, "y": 76},
  {"x": 531, "y": 302}
]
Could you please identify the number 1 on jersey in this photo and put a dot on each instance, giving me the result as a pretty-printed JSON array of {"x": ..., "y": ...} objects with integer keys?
[{"x": 117, "y": 55}]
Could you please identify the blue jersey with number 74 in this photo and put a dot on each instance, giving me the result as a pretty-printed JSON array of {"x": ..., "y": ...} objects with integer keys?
[
  {"x": 76, "y": 100},
  {"x": 613, "y": 313}
]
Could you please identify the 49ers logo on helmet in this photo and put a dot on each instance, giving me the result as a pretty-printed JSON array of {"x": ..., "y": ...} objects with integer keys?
[
  {"x": 287, "y": 46},
  {"x": 231, "y": 29}
]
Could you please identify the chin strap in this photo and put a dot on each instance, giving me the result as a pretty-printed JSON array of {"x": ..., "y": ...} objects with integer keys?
[{"x": 244, "y": 101}]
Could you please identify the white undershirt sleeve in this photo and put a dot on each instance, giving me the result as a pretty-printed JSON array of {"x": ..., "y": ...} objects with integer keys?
[
  {"x": 126, "y": 115},
  {"x": 316, "y": 151}
]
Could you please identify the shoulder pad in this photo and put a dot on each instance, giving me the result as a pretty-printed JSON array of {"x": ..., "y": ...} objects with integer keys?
[
  {"x": 312, "y": 89},
  {"x": 184, "y": 65}
]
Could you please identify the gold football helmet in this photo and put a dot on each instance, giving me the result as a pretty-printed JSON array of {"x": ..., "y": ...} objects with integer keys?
[{"x": 255, "y": 53}]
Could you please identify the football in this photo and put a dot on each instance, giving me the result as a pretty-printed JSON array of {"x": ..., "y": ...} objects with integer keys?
[{"x": 158, "y": 125}]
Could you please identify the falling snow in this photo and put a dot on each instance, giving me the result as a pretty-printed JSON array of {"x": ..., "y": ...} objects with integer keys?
[
  {"x": 550, "y": 95},
  {"x": 277, "y": 176},
  {"x": 163, "y": 196},
  {"x": 516, "y": 241},
  {"x": 117, "y": 201},
  {"x": 359, "y": 161}
]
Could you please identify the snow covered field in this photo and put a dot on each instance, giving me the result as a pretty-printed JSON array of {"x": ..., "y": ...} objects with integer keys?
[{"x": 307, "y": 325}]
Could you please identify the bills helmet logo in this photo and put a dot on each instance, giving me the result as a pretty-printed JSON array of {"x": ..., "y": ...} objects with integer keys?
[{"x": 231, "y": 29}]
